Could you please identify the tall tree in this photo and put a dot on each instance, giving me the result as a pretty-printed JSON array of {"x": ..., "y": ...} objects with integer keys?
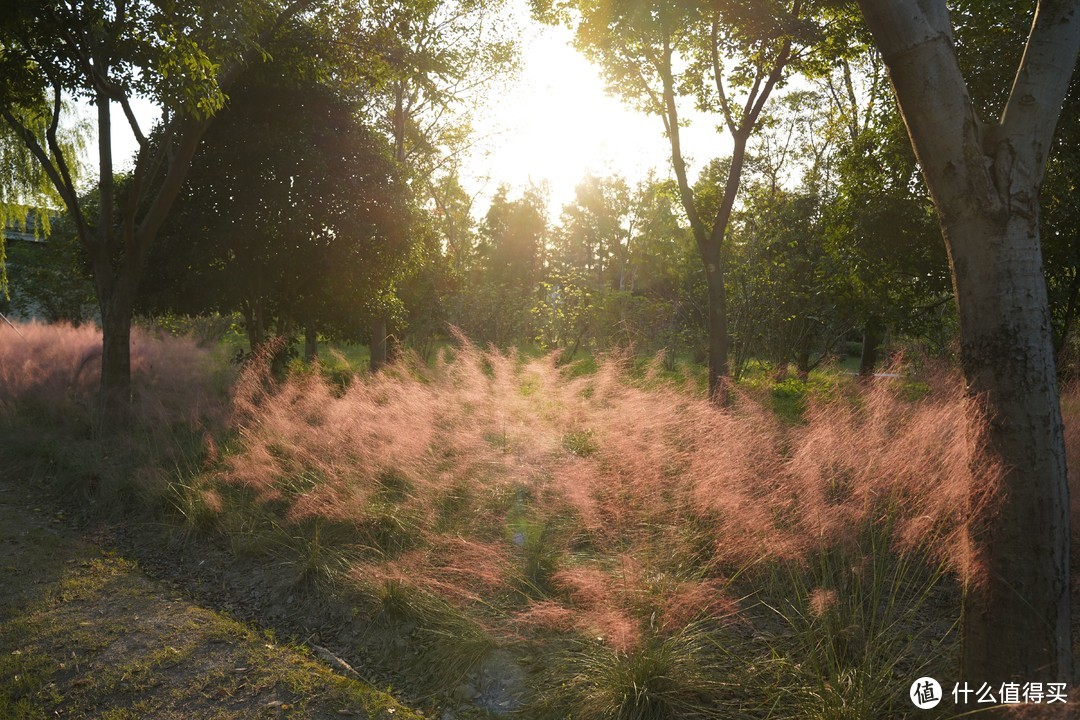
[
  {"x": 730, "y": 57},
  {"x": 510, "y": 258},
  {"x": 182, "y": 55},
  {"x": 289, "y": 212},
  {"x": 434, "y": 59},
  {"x": 892, "y": 270},
  {"x": 984, "y": 177}
]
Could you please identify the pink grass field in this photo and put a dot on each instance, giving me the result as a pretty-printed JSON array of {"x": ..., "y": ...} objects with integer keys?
[
  {"x": 53, "y": 369},
  {"x": 620, "y": 505},
  {"x": 610, "y": 504}
]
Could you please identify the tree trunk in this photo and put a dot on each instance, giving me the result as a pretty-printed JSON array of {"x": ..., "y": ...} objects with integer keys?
[
  {"x": 254, "y": 324},
  {"x": 378, "y": 344},
  {"x": 718, "y": 334},
  {"x": 984, "y": 180},
  {"x": 1016, "y": 619},
  {"x": 802, "y": 364},
  {"x": 311, "y": 343},
  {"x": 115, "y": 389},
  {"x": 871, "y": 339}
]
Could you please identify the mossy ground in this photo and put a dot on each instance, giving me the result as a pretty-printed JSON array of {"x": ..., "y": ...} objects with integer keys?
[{"x": 84, "y": 633}]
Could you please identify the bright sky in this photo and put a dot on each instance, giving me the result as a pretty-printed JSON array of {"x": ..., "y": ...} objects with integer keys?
[
  {"x": 557, "y": 123},
  {"x": 553, "y": 124}
]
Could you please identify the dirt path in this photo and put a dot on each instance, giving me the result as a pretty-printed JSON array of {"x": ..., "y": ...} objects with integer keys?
[{"x": 85, "y": 634}]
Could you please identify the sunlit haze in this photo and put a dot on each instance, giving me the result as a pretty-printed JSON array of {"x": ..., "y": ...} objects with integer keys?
[
  {"x": 550, "y": 125},
  {"x": 557, "y": 122}
]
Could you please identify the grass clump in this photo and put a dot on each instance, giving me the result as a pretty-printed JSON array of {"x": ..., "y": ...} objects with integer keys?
[
  {"x": 677, "y": 676},
  {"x": 580, "y": 443}
]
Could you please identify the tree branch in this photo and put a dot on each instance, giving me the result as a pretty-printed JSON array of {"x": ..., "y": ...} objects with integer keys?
[
  {"x": 1042, "y": 79},
  {"x": 725, "y": 104},
  {"x": 58, "y": 175}
]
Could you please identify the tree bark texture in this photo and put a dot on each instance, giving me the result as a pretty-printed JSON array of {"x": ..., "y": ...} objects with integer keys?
[
  {"x": 311, "y": 343},
  {"x": 378, "y": 344},
  {"x": 984, "y": 180},
  {"x": 871, "y": 339},
  {"x": 115, "y": 389}
]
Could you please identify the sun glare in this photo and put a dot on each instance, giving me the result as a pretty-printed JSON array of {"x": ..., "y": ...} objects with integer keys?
[{"x": 556, "y": 123}]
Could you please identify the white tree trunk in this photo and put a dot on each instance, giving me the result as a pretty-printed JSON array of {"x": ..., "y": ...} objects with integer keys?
[{"x": 984, "y": 179}]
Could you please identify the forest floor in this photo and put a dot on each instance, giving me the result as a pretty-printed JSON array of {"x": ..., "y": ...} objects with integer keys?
[{"x": 85, "y": 633}]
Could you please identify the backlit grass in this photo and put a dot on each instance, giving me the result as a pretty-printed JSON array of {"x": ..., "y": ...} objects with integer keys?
[{"x": 642, "y": 553}]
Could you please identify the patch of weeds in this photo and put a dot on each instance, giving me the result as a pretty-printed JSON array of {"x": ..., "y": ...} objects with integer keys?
[
  {"x": 454, "y": 645},
  {"x": 514, "y": 497},
  {"x": 322, "y": 551},
  {"x": 194, "y": 506},
  {"x": 499, "y": 439},
  {"x": 390, "y": 528},
  {"x": 580, "y": 368},
  {"x": 300, "y": 483},
  {"x": 399, "y": 600},
  {"x": 857, "y": 623},
  {"x": 529, "y": 386},
  {"x": 393, "y": 485},
  {"x": 93, "y": 577},
  {"x": 339, "y": 377},
  {"x": 581, "y": 442},
  {"x": 539, "y": 552},
  {"x": 25, "y": 677},
  {"x": 252, "y": 530},
  {"x": 789, "y": 399},
  {"x": 912, "y": 390},
  {"x": 452, "y": 507},
  {"x": 677, "y": 676}
]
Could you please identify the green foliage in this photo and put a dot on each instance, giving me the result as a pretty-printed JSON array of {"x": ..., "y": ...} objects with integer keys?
[
  {"x": 305, "y": 235},
  {"x": 50, "y": 278},
  {"x": 580, "y": 442},
  {"x": 27, "y": 194},
  {"x": 500, "y": 286},
  {"x": 678, "y": 676},
  {"x": 858, "y": 624}
]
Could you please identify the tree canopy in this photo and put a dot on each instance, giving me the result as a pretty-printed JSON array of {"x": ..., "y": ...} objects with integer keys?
[{"x": 290, "y": 214}]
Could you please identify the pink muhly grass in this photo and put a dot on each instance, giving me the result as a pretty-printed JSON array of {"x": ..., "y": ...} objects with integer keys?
[
  {"x": 614, "y": 627},
  {"x": 458, "y": 579},
  {"x": 821, "y": 601},
  {"x": 629, "y": 471},
  {"x": 546, "y": 615},
  {"x": 50, "y": 369},
  {"x": 585, "y": 587},
  {"x": 689, "y": 601},
  {"x": 47, "y": 365},
  {"x": 473, "y": 568}
]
